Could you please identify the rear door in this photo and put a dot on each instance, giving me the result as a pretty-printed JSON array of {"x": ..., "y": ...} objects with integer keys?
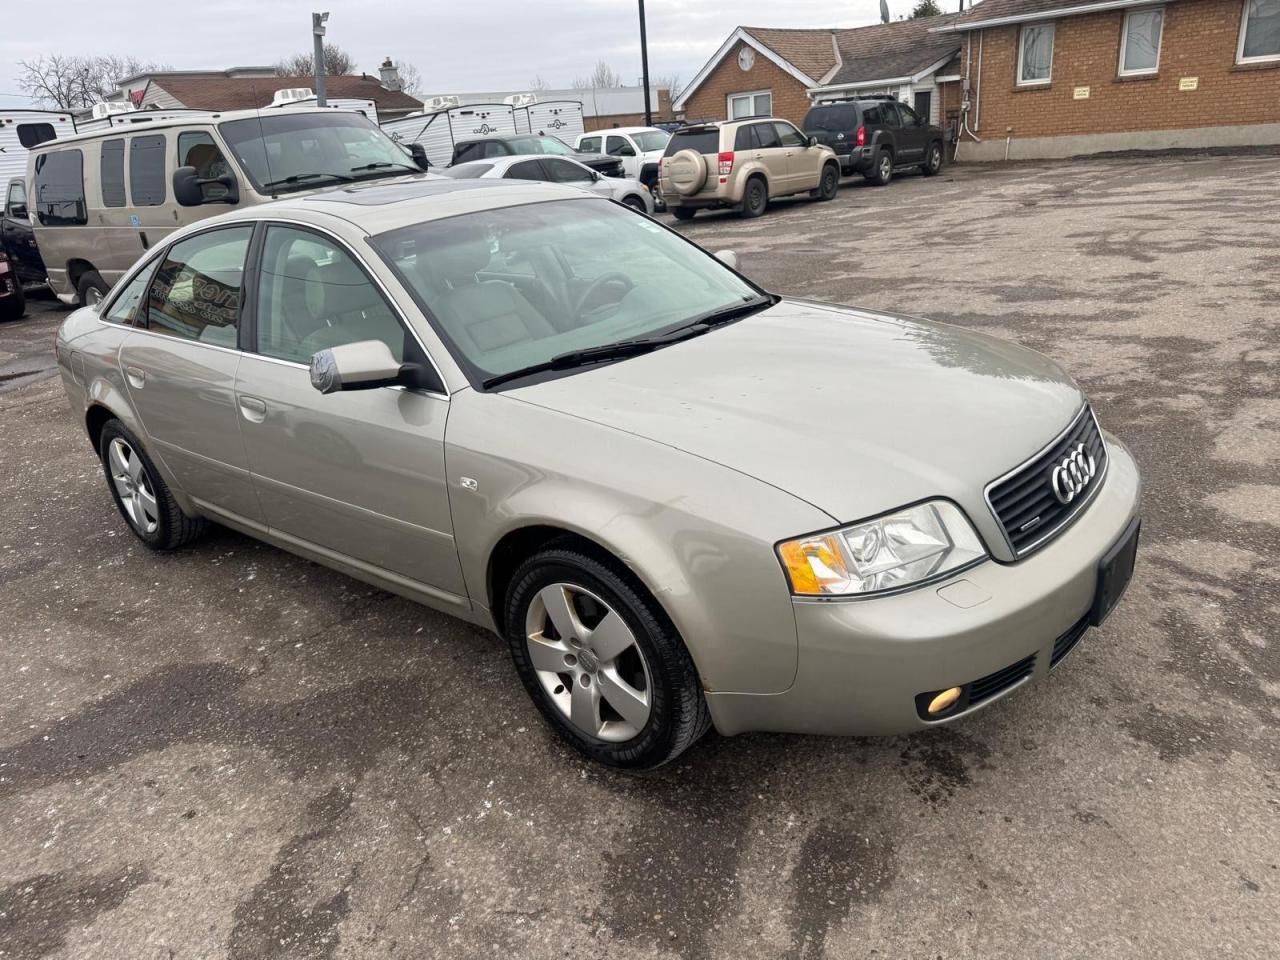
[
  {"x": 180, "y": 363},
  {"x": 914, "y": 134},
  {"x": 766, "y": 148},
  {"x": 359, "y": 473},
  {"x": 892, "y": 126}
]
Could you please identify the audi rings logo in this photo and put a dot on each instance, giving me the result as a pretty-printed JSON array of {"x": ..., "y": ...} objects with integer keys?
[{"x": 1073, "y": 474}]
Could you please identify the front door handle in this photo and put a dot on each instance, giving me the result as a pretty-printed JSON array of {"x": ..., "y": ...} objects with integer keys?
[
  {"x": 137, "y": 377},
  {"x": 253, "y": 409}
]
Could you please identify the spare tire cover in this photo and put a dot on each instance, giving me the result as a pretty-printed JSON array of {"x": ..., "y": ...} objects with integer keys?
[{"x": 687, "y": 171}]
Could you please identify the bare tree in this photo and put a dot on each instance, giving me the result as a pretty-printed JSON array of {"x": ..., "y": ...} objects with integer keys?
[
  {"x": 410, "y": 76},
  {"x": 602, "y": 76},
  {"x": 337, "y": 63},
  {"x": 672, "y": 81},
  {"x": 537, "y": 83},
  {"x": 73, "y": 82}
]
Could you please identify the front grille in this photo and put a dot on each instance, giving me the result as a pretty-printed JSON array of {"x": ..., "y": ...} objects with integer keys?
[
  {"x": 1001, "y": 680},
  {"x": 1024, "y": 501},
  {"x": 1066, "y": 643}
]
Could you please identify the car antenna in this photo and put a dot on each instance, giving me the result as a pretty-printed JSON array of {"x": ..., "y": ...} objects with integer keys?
[{"x": 266, "y": 154}]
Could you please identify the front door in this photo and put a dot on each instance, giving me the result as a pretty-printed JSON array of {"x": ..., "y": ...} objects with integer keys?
[
  {"x": 358, "y": 473},
  {"x": 180, "y": 367},
  {"x": 616, "y": 145},
  {"x": 912, "y": 136},
  {"x": 17, "y": 236},
  {"x": 803, "y": 162},
  {"x": 924, "y": 104}
]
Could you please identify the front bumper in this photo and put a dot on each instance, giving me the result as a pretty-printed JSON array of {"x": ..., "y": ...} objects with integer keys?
[{"x": 862, "y": 663}]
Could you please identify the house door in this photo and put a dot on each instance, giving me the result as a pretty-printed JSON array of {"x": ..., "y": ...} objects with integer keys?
[{"x": 924, "y": 105}]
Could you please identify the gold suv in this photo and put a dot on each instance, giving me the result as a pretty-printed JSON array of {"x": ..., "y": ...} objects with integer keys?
[{"x": 742, "y": 164}]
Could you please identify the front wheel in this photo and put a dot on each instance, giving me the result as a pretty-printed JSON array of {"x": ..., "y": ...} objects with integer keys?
[
  {"x": 683, "y": 213},
  {"x": 140, "y": 493},
  {"x": 634, "y": 202},
  {"x": 756, "y": 199},
  {"x": 829, "y": 184},
  {"x": 933, "y": 160},
  {"x": 883, "y": 171},
  {"x": 602, "y": 661}
]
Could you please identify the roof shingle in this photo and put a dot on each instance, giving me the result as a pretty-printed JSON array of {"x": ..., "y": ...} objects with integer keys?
[{"x": 247, "y": 93}]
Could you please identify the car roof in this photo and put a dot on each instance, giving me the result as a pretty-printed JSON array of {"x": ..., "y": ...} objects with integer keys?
[
  {"x": 186, "y": 119},
  {"x": 602, "y": 132},
  {"x": 377, "y": 206}
]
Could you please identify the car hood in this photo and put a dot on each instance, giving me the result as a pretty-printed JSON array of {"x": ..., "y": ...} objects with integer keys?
[{"x": 854, "y": 412}]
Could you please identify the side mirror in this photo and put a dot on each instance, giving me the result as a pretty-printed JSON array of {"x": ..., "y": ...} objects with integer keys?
[
  {"x": 419, "y": 154},
  {"x": 728, "y": 258},
  {"x": 810, "y": 141},
  {"x": 355, "y": 366},
  {"x": 187, "y": 188}
]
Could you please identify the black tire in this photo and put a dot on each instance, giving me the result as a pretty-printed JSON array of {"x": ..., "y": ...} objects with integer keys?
[
  {"x": 678, "y": 710},
  {"x": 12, "y": 308},
  {"x": 755, "y": 199},
  {"x": 634, "y": 202},
  {"x": 683, "y": 213},
  {"x": 882, "y": 172},
  {"x": 932, "y": 165},
  {"x": 91, "y": 288},
  {"x": 173, "y": 528},
  {"x": 829, "y": 185}
]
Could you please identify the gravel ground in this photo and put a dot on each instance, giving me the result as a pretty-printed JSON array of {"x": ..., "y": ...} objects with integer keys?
[{"x": 229, "y": 752}]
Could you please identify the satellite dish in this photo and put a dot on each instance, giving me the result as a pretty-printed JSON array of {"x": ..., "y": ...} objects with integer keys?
[{"x": 884, "y": 11}]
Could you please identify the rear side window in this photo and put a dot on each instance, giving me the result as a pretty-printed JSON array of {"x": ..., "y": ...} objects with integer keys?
[
  {"x": 743, "y": 139},
  {"x": 871, "y": 116},
  {"x": 60, "y": 188},
  {"x": 146, "y": 171},
  {"x": 765, "y": 136},
  {"x": 526, "y": 170},
  {"x": 836, "y": 118},
  {"x": 34, "y": 134},
  {"x": 111, "y": 172},
  {"x": 706, "y": 140},
  {"x": 197, "y": 290}
]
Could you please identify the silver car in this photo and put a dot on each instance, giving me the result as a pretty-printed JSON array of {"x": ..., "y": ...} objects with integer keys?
[
  {"x": 550, "y": 169},
  {"x": 683, "y": 501}
]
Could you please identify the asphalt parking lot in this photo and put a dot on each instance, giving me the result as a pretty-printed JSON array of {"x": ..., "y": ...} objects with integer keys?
[{"x": 229, "y": 752}]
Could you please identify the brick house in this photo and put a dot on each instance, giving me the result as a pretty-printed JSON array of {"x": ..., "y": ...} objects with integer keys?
[
  {"x": 1057, "y": 78},
  {"x": 760, "y": 70}
]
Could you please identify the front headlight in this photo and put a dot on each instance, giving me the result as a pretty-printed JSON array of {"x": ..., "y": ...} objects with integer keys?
[{"x": 900, "y": 549}]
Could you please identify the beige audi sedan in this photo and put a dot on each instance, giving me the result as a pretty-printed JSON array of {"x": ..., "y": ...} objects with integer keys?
[{"x": 682, "y": 500}]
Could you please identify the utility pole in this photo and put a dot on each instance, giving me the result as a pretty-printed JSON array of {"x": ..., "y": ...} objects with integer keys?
[
  {"x": 644, "y": 69},
  {"x": 317, "y": 36}
]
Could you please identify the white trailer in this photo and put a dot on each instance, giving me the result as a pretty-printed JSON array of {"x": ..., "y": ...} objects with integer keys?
[
  {"x": 305, "y": 97},
  {"x": 20, "y": 130},
  {"x": 437, "y": 131},
  {"x": 105, "y": 116},
  {"x": 557, "y": 118}
]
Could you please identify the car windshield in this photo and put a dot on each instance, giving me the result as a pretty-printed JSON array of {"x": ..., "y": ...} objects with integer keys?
[
  {"x": 551, "y": 145},
  {"x": 300, "y": 151},
  {"x": 649, "y": 140},
  {"x": 467, "y": 171},
  {"x": 514, "y": 287}
]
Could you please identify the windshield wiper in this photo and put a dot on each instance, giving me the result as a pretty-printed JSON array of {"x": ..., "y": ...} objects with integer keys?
[
  {"x": 729, "y": 313},
  {"x": 383, "y": 164},
  {"x": 301, "y": 177}
]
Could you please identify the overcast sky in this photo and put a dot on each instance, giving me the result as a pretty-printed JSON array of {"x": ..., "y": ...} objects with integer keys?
[{"x": 457, "y": 46}]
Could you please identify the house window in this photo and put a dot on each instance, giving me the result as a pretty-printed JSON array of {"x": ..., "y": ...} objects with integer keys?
[
  {"x": 758, "y": 103},
  {"x": 1259, "y": 31},
  {"x": 1140, "y": 42},
  {"x": 1035, "y": 54}
]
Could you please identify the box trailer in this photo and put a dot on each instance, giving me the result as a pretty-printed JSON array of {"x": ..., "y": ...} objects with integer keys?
[
  {"x": 106, "y": 116},
  {"x": 305, "y": 97},
  {"x": 20, "y": 130},
  {"x": 438, "y": 131},
  {"x": 557, "y": 118}
]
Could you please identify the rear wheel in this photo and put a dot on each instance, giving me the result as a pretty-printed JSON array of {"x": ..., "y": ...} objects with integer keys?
[
  {"x": 882, "y": 173},
  {"x": 140, "y": 493},
  {"x": 602, "y": 661},
  {"x": 91, "y": 288},
  {"x": 756, "y": 198},
  {"x": 12, "y": 307},
  {"x": 683, "y": 213},
  {"x": 933, "y": 160}
]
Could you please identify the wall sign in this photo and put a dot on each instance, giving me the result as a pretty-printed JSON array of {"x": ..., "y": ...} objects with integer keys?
[
  {"x": 1189, "y": 83},
  {"x": 746, "y": 59},
  {"x": 1080, "y": 93}
]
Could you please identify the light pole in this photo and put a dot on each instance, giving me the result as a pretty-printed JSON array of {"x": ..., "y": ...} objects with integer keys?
[
  {"x": 644, "y": 69},
  {"x": 317, "y": 36}
]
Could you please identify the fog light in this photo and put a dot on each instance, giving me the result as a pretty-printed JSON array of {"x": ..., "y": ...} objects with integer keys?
[{"x": 944, "y": 701}]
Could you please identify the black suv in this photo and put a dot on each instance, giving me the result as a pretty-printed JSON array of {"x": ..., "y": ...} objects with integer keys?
[
  {"x": 465, "y": 151},
  {"x": 17, "y": 239},
  {"x": 874, "y": 136}
]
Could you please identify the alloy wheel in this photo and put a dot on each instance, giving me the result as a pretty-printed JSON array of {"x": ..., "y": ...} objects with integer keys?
[
  {"x": 588, "y": 662},
  {"x": 133, "y": 485},
  {"x": 886, "y": 167}
]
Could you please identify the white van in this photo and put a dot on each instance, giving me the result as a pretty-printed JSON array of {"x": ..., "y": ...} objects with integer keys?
[{"x": 98, "y": 200}]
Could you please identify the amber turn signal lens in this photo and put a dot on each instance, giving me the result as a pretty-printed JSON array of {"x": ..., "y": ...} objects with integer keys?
[{"x": 944, "y": 701}]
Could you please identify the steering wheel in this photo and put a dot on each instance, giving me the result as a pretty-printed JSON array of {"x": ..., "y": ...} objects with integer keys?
[{"x": 597, "y": 285}]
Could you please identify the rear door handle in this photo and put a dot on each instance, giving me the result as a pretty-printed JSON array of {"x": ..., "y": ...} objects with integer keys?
[
  {"x": 136, "y": 376},
  {"x": 253, "y": 409}
]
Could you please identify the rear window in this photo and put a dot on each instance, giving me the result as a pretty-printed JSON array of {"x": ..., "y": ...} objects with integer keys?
[
  {"x": 33, "y": 134},
  {"x": 146, "y": 171},
  {"x": 703, "y": 140},
  {"x": 836, "y": 118},
  {"x": 111, "y": 172},
  {"x": 59, "y": 188}
]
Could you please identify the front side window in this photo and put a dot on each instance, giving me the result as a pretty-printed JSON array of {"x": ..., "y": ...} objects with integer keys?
[
  {"x": 197, "y": 148},
  {"x": 758, "y": 104},
  {"x": 111, "y": 173},
  {"x": 15, "y": 204},
  {"x": 34, "y": 134},
  {"x": 536, "y": 144},
  {"x": 909, "y": 117},
  {"x": 1035, "y": 54},
  {"x": 312, "y": 296},
  {"x": 59, "y": 185},
  {"x": 1260, "y": 31},
  {"x": 619, "y": 147},
  {"x": 301, "y": 151},
  {"x": 197, "y": 291},
  {"x": 125, "y": 306},
  {"x": 146, "y": 171},
  {"x": 513, "y": 287},
  {"x": 589, "y": 145},
  {"x": 789, "y": 135},
  {"x": 1140, "y": 43}
]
